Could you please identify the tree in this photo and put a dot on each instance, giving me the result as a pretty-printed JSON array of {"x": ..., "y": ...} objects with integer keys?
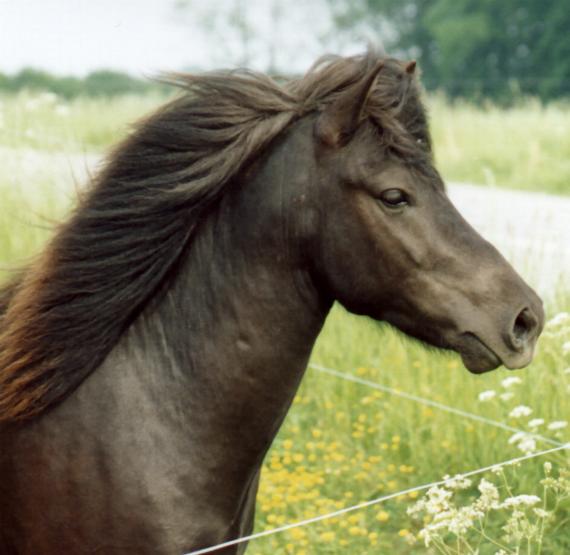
[
  {"x": 109, "y": 83},
  {"x": 477, "y": 48},
  {"x": 263, "y": 34}
]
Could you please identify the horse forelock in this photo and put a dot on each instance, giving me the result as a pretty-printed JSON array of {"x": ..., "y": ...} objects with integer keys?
[{"x": 125, "y": 240}]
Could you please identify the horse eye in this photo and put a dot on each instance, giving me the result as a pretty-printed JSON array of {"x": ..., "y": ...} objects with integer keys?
[{"x": 394, "y": 198}]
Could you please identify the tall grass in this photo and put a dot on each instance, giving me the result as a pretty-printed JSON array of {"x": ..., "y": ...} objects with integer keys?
[
  {"x": 83, "y": 125},
  {"x": 341, "y": 442},
  {"x": 344, "y": 443},
  {"x": 523, "y": 147}
]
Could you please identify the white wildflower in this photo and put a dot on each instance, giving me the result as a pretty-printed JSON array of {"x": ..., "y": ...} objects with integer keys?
[
  {"x": 566, "y": 347},
  {"x": 547, "y": 467},
  {"x": 535, "y": 422},
  {"x": 435, "y": 502},
  {"x": 489, "y": 498},
  {"x": 566, "y": 371},
  {"x": 519, "y": 411},
  {"x": 517, "y": 501},
  {"x": 527, "y": 445},
  {"x": 524, "y": 442},
  {"x": 457, "y": 482},
  {"x": 487, "y": 395},
  {"x": 515, "y": 438},
  {"x": 463, "y": 519},
  {"x": 557, "y": 425},
  {"x": 438, "y": 500},
  {"x": 559, "y": 319},
  {"x": 514, "y": 527},
  {"x": 512, "y": 380},
  {"x": 428, "y": 534},
  {"x": 507, "y": 396},
  {"x": 541, "y": 513}
]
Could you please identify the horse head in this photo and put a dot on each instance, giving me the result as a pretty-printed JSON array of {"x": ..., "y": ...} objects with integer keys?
[{"x": 392, "y": 246}]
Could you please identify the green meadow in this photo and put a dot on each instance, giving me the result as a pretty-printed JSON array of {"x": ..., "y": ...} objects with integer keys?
[{"x": 344, "y": 443}]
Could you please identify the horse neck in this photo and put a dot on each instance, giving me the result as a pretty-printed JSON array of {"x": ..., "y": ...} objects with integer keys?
[{"x": 230, "y": 340}]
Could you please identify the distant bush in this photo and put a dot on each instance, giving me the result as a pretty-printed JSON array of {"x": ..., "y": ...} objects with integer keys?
[
  {"x": 112, "y": 83},
  {"x": 100, "y": 83}
]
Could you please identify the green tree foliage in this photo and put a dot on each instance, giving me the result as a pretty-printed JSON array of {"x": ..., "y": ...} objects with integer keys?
[{"x": 476, "y": 48}]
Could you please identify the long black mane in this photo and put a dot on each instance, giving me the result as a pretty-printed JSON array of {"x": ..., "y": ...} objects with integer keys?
[{"x": 125, "y": 239}]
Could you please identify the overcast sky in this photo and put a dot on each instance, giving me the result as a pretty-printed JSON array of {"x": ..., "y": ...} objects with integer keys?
[{"x": 145, "y": 36}]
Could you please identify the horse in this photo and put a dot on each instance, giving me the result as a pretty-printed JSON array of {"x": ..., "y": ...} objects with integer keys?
[{"x": 150, "y": 353}]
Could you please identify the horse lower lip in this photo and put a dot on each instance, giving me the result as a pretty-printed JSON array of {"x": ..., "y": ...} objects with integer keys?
[{"x": 476, "y": 356}]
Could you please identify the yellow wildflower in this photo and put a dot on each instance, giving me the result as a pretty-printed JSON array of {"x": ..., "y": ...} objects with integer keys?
[
  {"x": 298, "y": 533},
  {"x": 382, "y": 516},
  {"x": 328, "y": 536}
]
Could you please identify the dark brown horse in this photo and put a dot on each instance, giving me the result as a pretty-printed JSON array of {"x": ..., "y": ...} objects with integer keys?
[{"x": 150, "y": 354}]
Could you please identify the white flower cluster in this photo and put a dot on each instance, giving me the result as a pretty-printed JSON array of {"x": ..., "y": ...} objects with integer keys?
[
  {"x": 557, "y": 425},
  {"x": 525, "y": 442},
  {"x": 456, "y": 482},
  {"x": 447, "y": 517},
  {"x": 535, "y": 423},
  {"x": 506, "y": 395},
  {"x": 489, "y": 498},
  {"x": 512, "y": 380},
  {"x": 436, "y": 501},
  {"x": 487, "y": 395},
  {"x": 521, "y": 410},
  {"x": 441, "y": 515},
  {"x": 527, "y": 500}
]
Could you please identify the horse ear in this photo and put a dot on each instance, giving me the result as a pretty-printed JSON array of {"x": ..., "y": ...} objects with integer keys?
[
  {"x": 411, "y": 67},
  {"x": 339, "y": 121}
]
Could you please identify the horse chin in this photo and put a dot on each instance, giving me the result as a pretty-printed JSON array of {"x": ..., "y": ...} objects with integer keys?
[{"x": 476, "y": 356}]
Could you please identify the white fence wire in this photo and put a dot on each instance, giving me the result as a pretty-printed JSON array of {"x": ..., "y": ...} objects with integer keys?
[
  {"x": 365, "y": 504},
  {"x": 370, "y": 503},
  {"x": 429, "y": 403}
]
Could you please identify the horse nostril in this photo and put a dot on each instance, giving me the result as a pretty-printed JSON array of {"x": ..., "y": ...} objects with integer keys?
[{"x": 525, "y": 324}]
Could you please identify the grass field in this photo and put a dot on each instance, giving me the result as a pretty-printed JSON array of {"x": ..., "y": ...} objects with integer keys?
[{"x": 343, "y": 443}]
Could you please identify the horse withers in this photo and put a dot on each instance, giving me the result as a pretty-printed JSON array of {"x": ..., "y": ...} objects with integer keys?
[{"x": 150, "y": 354}]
